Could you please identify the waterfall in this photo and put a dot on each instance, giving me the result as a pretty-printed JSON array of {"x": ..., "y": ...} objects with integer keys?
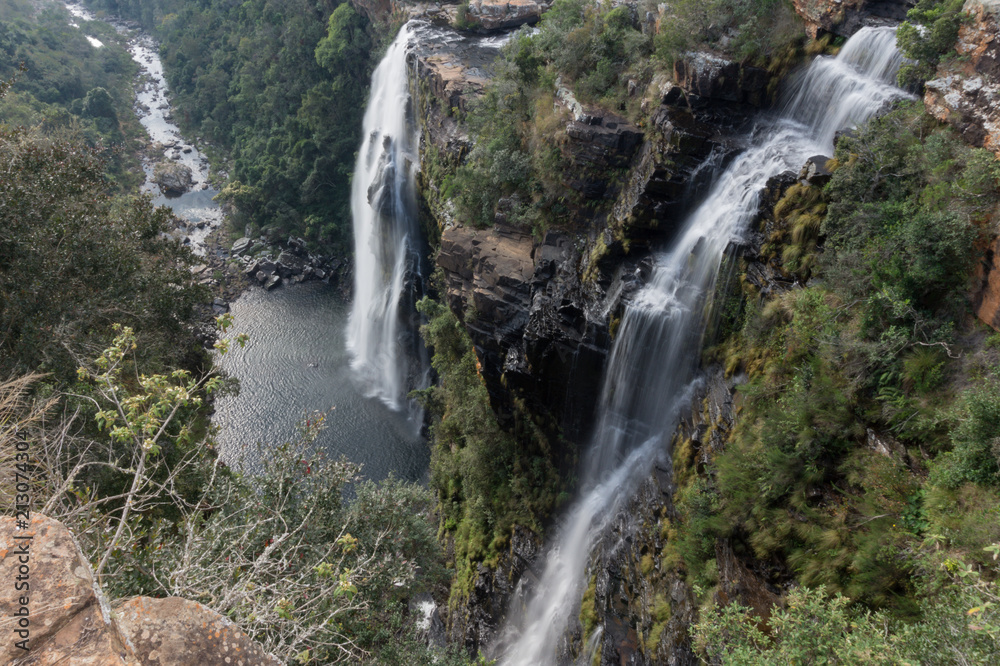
[
  {"x": 656, "y": 351},
  {"x": 388, "y": 357}
]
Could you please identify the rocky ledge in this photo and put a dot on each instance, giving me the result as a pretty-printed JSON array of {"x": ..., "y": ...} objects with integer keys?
[
  {"x": 966, "y": 92},
  {"x": 65, "y": 618},
  {"x": 845, "y": 17},
  {"x": 504, "y": 14},
  {"x": 270, "y": 264}
]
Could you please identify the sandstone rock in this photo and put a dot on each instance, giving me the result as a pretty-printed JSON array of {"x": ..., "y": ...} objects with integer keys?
[
  {"x": 178, "y": 632},
  {"x": 504, "y": 14},
  {"x": 845, "y": 17},
  {"x": 68, "y": 616},
  {"x": 712, "y": 77},
  {"x": 174, "y": 179},
  {"x": 987, "y": 299},
  {"x": 966, "y": 92}
]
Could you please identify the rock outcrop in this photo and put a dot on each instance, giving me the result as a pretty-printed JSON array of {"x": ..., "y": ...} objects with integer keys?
[
  {"x": 64, "y": 616},
  {"x": 529, "y": 318},
  {"x": 845, "y": 17},
  {"x": 486, "y": 606},
  {"x": 66, "y": 619},
  {"x": 178, "y": 631},
  {"x": 966, "y": 90},
  {"x": 987, "y": 300},
  {"x": 173, "y": 178},
  {"x": 504, "y": 14},
  {"x": 710, "y": 76}
]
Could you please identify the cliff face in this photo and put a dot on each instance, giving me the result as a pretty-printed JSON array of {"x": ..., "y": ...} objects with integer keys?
[
  {"x": 966, "y": 94},
  {"x": 966, "y": 91},
  {"x": 541, "y": 312}
]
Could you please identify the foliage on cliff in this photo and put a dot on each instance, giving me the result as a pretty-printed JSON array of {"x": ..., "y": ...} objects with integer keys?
[
  {"x": 280, "y": 88},
  {"x": 486, "y": 479},
  {"x": 864, "y": 457},
  {"x": 747, "y": 31},
  {"x": 928, "y": 34},
  {"x": 517, "y": 164}
]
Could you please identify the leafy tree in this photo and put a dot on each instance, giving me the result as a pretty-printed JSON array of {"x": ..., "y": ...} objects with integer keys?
[{"x": 74, "y": 259}]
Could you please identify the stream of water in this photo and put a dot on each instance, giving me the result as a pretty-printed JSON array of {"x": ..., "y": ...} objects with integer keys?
[
  {"x": 199, "y": 213},
  {"x": 655, "y": 354}
]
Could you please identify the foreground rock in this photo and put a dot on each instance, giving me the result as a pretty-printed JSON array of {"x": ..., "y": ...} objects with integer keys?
[
  {"x": 966, "y": 92},
  {"x": 178, "y": 631},
  {"x": 68, "y": 620},
  {"x": 174, "y": 179}
]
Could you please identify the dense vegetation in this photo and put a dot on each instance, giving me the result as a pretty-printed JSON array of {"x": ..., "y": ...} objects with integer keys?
[
  {"x": 864, "y": 462},
  {"x": 278, "y": 88},
  {"x": 68, "y": 87},
  {"x": 607, "y": 56},
  {"x": 864, "y": 468},
  {"x": 876, "y": 345}
]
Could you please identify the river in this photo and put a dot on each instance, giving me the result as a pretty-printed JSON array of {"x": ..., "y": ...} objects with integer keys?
[{"x": 296, "y": 361}]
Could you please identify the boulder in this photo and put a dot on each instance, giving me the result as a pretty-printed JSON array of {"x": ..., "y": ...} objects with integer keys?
[
  {"x": 291, "y": 262},
  {"x": 178, "y": 632},
  {"x": 68, "y": 618},
  {"x": 242, "y": 245},
  {"x": 174, "y": 179},
  {"x": 814, "y": 171},
  {"x": 272, "y": 281}
]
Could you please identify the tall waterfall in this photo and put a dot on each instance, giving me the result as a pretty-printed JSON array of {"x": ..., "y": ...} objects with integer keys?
[
  {"x": 388, "y": 356},
  {"x": 656, "y": 350}
]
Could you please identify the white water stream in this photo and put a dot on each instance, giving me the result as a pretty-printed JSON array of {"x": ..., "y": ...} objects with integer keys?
[{"x": 654, "y": 357}]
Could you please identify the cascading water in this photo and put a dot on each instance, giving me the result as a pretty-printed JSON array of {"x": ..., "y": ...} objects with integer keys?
[
  {"x": 655, "y": 353},
  {"x": 387, "y": 354}
]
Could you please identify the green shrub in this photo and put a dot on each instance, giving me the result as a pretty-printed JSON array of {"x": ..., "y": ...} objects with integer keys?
[
  {"x": 929, "y": 32},
  {"x": 976, "y": 454}
]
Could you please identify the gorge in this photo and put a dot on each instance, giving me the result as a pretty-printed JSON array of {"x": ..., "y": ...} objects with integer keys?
[{"x": 673, "y": 336}]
